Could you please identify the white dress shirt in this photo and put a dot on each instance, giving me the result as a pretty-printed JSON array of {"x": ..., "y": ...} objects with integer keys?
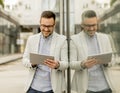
[{"x": 42, "y": 80}]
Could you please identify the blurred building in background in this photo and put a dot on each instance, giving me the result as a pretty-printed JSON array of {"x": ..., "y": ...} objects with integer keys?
[
  {"x": 9, "y": 33},
  {"x": 20, "y": 19},
  {"x": 110, "y": 24}
]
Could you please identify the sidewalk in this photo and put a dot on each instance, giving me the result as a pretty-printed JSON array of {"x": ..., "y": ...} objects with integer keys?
[{"x": 9, "y": 58}]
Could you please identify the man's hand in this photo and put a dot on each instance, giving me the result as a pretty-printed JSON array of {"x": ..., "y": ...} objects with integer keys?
[
  {"x": 52, "y": 63},
  {"x": 89, "y": 63}
]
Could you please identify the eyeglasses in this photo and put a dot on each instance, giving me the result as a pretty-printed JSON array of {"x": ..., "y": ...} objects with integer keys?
[
  {"x": 46, "y": 26},
  {"x": 89, "y": 25}
]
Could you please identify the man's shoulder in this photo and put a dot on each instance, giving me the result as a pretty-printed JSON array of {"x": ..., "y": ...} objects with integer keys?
[
  {"x": 60, "y": 36},
  {"x": 102, "y": 34},
  {"x": 76, "y": 36},
  {"x": 34, "y": 35}
]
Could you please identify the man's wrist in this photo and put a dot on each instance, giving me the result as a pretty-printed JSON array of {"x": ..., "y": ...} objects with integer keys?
[
  {"x": 58, "y": 65},
  {"x": 83, "y": 65}
]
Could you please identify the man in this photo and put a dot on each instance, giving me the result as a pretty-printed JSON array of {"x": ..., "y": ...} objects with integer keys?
[
  {"x": 47, "y": 78},
  {"x": 90, "y": 76}
]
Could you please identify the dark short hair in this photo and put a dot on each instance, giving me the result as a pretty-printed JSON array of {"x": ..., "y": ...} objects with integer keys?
[
  {"x": 48, "y": 14},
  {"x": 88, "y": 14}
]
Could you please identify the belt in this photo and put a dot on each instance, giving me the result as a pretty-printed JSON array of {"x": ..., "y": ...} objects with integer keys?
[{"x": 103, "y": 91}]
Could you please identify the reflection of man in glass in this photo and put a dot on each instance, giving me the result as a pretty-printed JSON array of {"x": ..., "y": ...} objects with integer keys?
[
  {"x": 47, "y": 78},
  {"x": 89, "y": 76}
]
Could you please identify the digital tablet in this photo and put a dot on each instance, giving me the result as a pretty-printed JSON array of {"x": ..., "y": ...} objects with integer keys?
[
  {"x": 102, "y": 58},
  {"x": 39, "y": 59}
]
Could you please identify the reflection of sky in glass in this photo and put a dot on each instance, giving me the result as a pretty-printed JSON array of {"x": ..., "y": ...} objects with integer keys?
[
  {"x": 48, "y": 4},
  {"x": 10, "y": 2},
  {"x": 103, "y": 1}
]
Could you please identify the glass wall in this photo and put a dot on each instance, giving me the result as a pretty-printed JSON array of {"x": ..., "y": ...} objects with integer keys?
[
  {"x": 110, "y": 24},
  {"x": 8, "y": 36}
]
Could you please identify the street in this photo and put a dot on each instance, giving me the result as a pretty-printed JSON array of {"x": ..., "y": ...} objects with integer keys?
[{"x": 13, "y": 76}]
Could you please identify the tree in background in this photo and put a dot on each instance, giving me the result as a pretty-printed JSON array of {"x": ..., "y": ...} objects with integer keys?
[
  {"x": 2, "y": 3},
  {"x": 112, "y": 2}
]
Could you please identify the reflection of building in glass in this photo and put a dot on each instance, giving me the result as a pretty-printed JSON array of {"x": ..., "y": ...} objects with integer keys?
[
  {"x": 9, "y": 32},
  {"x": 110, "y": 23},
  {"x": 79, "y": 6}
]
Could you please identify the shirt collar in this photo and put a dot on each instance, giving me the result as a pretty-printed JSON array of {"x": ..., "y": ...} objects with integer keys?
[
  {"x": 89, "y": 37},
  {"x": 49, "y": 37}
]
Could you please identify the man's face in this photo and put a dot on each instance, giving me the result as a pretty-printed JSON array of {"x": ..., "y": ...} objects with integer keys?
[
  {"x": 90, "y": 25},
  {"x": 47, "y": 26}
]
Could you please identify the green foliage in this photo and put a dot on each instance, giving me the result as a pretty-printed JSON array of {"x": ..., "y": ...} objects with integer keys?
[
  {"x": 2, "y": 3},
  {"x": 112, "y": 2}
]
